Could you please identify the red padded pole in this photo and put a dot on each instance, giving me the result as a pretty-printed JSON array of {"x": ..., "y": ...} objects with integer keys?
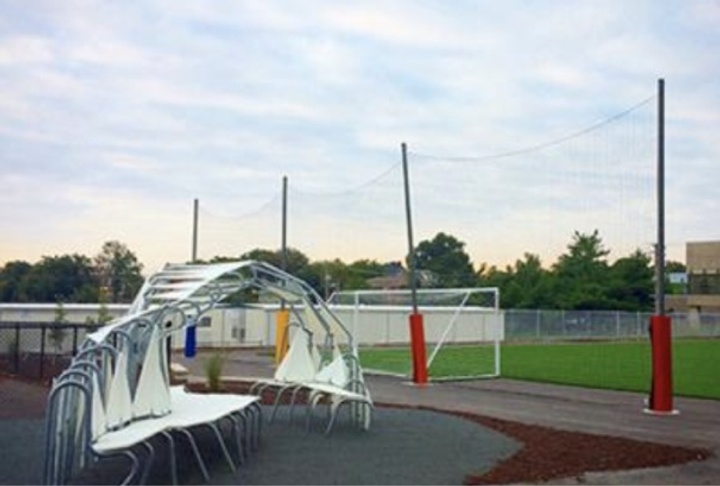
[
  {"x": 417, "y": 341},
  {"x": 661, "y": 399}
]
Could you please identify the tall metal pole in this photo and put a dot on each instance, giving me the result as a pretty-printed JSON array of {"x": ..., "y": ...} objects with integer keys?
[
  {"x": 283, "y": 316},
  {"x": 417, "y": 332},
  {"x": 408, "y": 217},
  {"x": 660, "y": 248},
  {"x": 190, "y": 328},
  {"x": 661, "y": 387},
  {"x": 283, "y": 248},
  {"x": 195, "y": 231}
]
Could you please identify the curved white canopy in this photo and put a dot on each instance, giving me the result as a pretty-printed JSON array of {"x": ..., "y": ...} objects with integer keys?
[{"x": 192, "y": 289}]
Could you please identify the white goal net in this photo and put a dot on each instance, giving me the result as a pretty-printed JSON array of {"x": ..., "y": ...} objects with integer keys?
[{"x": 463, "y": 330}]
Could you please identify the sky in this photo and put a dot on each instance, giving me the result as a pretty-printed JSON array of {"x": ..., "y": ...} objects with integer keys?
[{"x": 115, "y": 116}]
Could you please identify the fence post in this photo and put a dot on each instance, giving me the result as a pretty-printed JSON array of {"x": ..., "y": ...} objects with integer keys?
[
  {"x": 75, "y": 337},
  {"x": 537, "y": 324},
  {"x": 43, "y": 333},
  {"x": 17, "y": 348}
]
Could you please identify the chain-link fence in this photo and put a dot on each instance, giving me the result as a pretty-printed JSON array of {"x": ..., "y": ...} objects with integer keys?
[
  {"x": 559, "y": 325},
  {"x": 39, "y": 350}
]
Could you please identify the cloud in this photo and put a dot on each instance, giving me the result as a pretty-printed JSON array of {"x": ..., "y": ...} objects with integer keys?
[
  {"x": 125, "y": 112},
  {"x": 26, "y": 50}
]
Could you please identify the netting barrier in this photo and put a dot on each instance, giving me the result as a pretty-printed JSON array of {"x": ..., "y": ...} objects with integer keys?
[
  {"x": 533, "y": 199},
  {"x": 500, "y": 206}
]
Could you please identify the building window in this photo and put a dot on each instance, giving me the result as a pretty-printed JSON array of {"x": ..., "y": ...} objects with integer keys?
[
  {"x": 204, "y": 321},
  {"x": 238, "y": 334},
  {"x": 704, "y": 283}
]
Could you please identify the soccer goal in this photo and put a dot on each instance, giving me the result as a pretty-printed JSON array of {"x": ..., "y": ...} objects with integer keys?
[{"x": 463, "y": 330}]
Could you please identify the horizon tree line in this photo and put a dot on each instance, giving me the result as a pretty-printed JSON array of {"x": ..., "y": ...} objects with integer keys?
[{"x": 582, "y": 278}]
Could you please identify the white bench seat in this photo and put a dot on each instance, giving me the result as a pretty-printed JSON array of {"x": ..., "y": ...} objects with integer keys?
[
  {"x": 188, "y": 410},
  {"x": 300, "y": 370}
]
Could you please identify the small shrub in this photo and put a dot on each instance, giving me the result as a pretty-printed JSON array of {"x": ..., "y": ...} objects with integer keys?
[
  {"x": 57, "y": 333},
  {"x": 213, "y": 370},
  {"x": 104, "y": 315}
]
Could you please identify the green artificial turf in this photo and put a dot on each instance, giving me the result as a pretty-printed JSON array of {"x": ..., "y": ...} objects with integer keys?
[{"x": 610, "y": 365}]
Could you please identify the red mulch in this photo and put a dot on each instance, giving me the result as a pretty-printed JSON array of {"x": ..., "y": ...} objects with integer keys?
[{"x": 549, "y": 453}]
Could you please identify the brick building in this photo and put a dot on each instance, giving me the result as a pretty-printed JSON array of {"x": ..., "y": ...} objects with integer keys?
[{"x": 703, "y": 279}]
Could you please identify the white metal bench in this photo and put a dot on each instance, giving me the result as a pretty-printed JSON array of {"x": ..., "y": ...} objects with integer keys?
[
  {"x": 339, "y": 382},
  {"x": 94, "y": 397},
  {"x": 115, "y": 398}
]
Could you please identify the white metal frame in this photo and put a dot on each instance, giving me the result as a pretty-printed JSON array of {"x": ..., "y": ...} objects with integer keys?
[{"x": 179, "y": 294}]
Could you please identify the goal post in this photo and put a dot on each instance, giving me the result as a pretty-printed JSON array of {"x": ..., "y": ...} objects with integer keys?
[{"x": 463, "y": 329}]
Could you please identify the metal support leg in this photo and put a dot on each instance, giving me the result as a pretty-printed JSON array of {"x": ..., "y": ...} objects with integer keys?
[
  {"x": 173, "y": 458},
  {"x": 239, "y": 429},
  {"x": 150, "y": 460},
  {"x": 198, "y": 456},
  {"x": 224, "y": 448}
]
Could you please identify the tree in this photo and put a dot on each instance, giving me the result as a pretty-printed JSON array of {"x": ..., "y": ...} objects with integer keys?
[
  {"x": 530, "y": 286},
  {"x": 326, "y": 276},
  {"x": 631, "y": 287},
  {"x": 69, "y": 278},
  {"x": 444, "y": 256},
  {"x": 360, "y": 271},
  {"x": 11, "y": 277},
  {"x": 492, "y": 276},
  {"x": 118, "y": 271},
  {"x": 583, "y": 274},
  {"x": 524, "y": 285},
  {"x": 672, "y": 266}
]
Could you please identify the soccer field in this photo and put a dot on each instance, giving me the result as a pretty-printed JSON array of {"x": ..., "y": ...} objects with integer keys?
[{"x": 610, "y": 365}]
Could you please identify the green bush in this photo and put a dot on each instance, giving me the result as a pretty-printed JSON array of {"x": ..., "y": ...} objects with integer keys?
[{"x": 213, "y": 370}]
